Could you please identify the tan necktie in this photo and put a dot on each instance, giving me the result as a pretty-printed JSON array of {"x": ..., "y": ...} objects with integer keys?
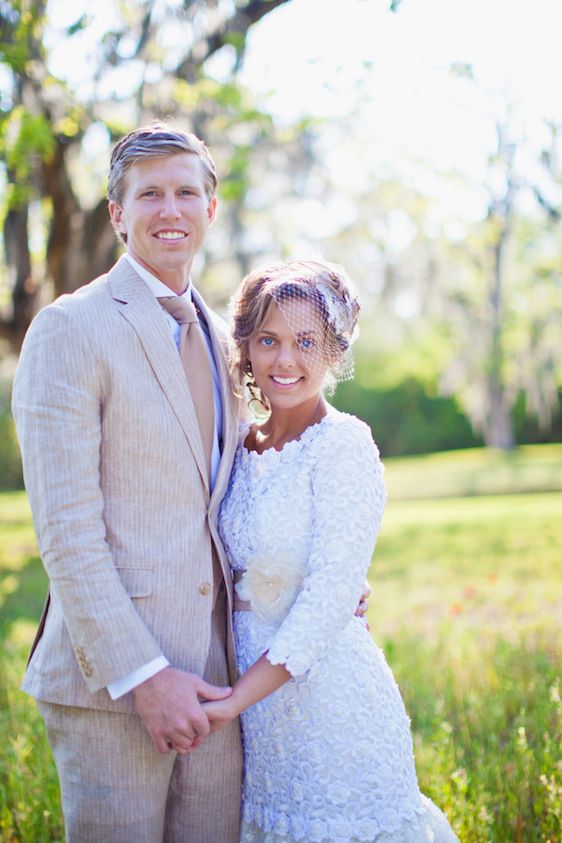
[{"x": 195, "y": 360}]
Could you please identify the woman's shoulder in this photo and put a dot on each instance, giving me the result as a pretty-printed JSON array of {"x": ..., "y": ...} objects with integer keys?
[{"x": 345, "y": 429}]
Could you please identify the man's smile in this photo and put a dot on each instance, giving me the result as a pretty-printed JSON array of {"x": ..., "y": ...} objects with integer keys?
[{"x": 170, "y": 234}]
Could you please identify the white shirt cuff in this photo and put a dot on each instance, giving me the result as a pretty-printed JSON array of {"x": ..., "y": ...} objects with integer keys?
[{"x": 127, "y": 683}]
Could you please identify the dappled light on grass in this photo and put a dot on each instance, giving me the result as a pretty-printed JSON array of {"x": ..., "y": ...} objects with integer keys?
[
  {"x": 23, "y": 582},
  {"x": 466, "y": 602},
  {"x": 29, "y": 795},
  {"x": 475, "y": 471}
]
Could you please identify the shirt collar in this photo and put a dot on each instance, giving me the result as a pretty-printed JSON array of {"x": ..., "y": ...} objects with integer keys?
[{"x": 155, "y": 285}]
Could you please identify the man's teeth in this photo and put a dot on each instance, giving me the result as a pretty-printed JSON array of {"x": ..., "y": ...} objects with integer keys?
[
  {"x": 285, "y": 381},
  {"x": 170, "y": 235}
]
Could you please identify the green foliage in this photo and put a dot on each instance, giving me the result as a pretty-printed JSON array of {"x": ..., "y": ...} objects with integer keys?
[
  {"x": 486, "y": 743},
  {"x": 24, "y": 138},
  {"x": 29, "y": 797},
  {"x": 405, "y": 419},
  {"x": 78, "y": 25},
  {"x": 29, "y": 794},
  {"x": 22, "y": 25},
  {"x": 466, "y": 601},
  {"x": 233, "y": 187},
  {"x": 11, "y": 476}
]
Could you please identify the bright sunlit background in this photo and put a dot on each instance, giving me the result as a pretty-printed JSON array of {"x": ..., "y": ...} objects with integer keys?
[{"x": 419, "y": 144}]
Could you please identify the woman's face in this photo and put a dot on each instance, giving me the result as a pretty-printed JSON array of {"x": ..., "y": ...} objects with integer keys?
[{"x": 288, "y": 363}]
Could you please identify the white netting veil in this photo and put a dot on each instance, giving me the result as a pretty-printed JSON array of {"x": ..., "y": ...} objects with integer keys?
[
  {"x": 321, "y": 309},
  {"x": 318, "y": 303}
]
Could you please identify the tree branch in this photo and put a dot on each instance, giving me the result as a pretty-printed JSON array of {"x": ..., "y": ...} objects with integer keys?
[{"x": 245, "y": 17}]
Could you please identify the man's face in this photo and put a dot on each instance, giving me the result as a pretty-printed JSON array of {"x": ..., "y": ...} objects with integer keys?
[{"x": 165, "y": 215}]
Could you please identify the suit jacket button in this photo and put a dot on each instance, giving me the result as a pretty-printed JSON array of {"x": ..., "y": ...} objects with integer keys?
[{"x": 205, "y": 588}]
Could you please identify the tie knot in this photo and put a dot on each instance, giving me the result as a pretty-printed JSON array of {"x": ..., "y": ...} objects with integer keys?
[{"x": 180, "y": 307}]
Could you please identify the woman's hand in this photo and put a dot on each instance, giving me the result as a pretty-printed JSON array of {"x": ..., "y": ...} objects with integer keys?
[
  {"x": 220, "y": 713},
  {"x": 363, "y": 606}
]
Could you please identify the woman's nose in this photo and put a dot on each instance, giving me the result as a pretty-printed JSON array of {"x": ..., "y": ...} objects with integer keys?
[{"x": 286, "y": 356}]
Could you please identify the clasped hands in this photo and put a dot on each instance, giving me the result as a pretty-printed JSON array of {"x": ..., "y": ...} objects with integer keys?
[{"x": 179, "y": 710}]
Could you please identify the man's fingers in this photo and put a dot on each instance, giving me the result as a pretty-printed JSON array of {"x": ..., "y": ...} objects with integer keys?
[
  {"x": 212, "y": 692},
  {"x": 161, "y": 744},
  {"x": 200, "y": 724},
  {"x": 177, "y": 742},
  {"x": 180, "y": 743}
]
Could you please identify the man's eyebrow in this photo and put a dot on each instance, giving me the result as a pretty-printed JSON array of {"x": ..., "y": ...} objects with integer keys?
[{"x": 150, "y": 186}]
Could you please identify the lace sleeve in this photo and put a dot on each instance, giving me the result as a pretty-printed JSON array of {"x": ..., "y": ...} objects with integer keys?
[{"x": 348, "y": 500}]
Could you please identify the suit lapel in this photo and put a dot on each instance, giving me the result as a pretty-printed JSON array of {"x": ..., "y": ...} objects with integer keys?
[
  {"x": 142, "y": 311},
  {"x": 229, "y": 400}
]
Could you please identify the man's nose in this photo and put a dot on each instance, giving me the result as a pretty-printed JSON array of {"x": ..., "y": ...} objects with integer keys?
[{"x": 169, "y": 208}]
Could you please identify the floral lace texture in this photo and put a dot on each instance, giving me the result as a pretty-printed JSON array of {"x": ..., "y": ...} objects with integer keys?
[
  {"x": 327, "y": 757},
  {"x": 428, "y": 827}
]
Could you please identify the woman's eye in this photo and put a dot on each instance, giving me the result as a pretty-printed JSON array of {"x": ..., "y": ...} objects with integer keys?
[
  {"x": 306, "y": 344},
  {"x": 267, "y": 341}
]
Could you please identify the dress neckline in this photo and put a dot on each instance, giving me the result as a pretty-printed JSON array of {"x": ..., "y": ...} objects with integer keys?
[{"x": 287, "y": 447}]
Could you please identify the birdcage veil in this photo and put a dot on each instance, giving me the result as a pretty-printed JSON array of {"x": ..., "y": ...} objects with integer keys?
[{"x": 317, "y": 301}]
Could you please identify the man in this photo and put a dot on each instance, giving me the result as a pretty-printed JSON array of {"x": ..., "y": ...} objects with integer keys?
[{"x": 127, "y": 452}]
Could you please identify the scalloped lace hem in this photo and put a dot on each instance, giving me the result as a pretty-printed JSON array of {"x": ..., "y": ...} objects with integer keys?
[{"x": 429, "y": 826}]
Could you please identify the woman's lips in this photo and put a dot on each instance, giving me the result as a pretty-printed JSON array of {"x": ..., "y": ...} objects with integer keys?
[{"x": 285, "y": 382}]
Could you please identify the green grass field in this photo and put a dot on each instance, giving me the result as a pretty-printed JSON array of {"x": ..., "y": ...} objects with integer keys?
[{"x": 467, "y": 603}]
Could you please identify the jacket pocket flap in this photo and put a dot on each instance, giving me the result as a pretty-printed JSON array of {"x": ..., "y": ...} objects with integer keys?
[{"x": 137, "y": 581}]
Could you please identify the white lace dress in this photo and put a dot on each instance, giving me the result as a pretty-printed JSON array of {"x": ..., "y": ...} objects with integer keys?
[{"x": 328, "y": 757}]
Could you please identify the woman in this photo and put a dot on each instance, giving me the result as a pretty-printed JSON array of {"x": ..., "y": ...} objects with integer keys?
[{"x": 327, "y": 745}]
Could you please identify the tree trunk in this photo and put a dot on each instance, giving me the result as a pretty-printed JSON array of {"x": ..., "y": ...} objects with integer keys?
[
  {"x": 498, "y": 427},
  {"x": 81, "y": 243},
  {"x": 24, "y": 289}
]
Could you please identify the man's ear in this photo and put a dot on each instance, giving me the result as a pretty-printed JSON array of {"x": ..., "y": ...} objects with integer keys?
[
  {"x": 212, "y": 210},
  {"x": 117, "y": 217}
]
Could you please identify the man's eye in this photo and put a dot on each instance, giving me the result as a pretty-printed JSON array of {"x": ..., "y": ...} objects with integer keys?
[{"x": 149, "y": 193}]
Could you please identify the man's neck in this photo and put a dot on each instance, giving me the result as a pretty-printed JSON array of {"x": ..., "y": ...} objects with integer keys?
[{"x": 158, "y": 286}]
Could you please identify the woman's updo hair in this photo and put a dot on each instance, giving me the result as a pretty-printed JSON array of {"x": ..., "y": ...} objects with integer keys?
[{"x": 325, "y": 287}]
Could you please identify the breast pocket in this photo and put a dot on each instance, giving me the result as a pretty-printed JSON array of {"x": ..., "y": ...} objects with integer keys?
[{"x": 138, "y": 582}]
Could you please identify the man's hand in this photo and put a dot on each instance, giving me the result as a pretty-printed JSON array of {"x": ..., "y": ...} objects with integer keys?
[
  {"x": 169, "y": 706},
  {"x": 220, "y": 713},
  {"x": 363, "y": 605}
]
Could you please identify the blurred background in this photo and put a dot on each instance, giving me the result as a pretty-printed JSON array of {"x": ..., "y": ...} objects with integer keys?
[{"x": 419, "y": 144}]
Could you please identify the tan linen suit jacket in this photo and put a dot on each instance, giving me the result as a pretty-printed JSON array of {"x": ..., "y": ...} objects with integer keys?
[{"x": 115, "y": 472}]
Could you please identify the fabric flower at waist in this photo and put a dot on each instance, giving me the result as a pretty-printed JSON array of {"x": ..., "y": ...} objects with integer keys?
[{"x": 271, "y": 583}]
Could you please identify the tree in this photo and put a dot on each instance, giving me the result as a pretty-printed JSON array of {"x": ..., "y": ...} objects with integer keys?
[
  {"x": 504, "y": 306},
  {"x": 43, "y": 125}
]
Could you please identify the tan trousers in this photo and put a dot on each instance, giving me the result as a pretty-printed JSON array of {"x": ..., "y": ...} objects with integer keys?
[{"x": 117, "y": 789}]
